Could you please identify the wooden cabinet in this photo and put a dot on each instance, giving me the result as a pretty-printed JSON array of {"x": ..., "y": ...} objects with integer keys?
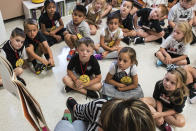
[{"x": 11, "y": 8}]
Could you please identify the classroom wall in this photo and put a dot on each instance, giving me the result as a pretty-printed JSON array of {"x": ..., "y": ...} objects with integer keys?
[{"x": 3, "y": 34}]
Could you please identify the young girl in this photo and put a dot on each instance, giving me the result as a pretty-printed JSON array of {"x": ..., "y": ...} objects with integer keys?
[
  {"x": 48, "y": 23},
  {"x": 169, "y": 99},
  {"x": 94, "y": 11},
  {"x": 36, "y": 45},
  {"x": 109, "y": 39},
  {"x": 174, "y": 50},
  {"x": 122, "y": 80}
]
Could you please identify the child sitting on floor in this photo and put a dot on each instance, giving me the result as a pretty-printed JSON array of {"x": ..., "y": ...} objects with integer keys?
[
  {"x": 109, "y": 39},
  {"x": 48, "y": 23},
  {"x": 14, "y": 51},
  {"x": 126, "y": 21},
  {"x": 174, "y": 50},
  {"x": 122, "y": 79},
  {"x": 36, "y": 45},
  {"x": 76, "y": 29},
  {"x": 148, "y": 28},
  {"x": 83, "y": 70},
  {"x": 169, "y": 99},
  {"x": 93, "y": 17}
]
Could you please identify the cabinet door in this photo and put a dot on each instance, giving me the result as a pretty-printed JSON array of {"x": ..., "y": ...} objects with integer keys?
[{"x": 11, "y": 8}]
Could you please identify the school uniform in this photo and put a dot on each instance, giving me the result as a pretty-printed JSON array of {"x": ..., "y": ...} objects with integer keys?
[
  {"x": 118, "y": 74},
  {"x": 177, "y": 14},
  {"x": 39, "y": 38},
  {"x": 153, "y": 25},
  {"x": 51, "y": 25},
  {"x": 83, "y": 28},
  {"x": 175, "y": 48},
  {"x": 90, "y": 68},
  {"x": 165, "y": 98},
  {"x": 110, "y": 37},
  {"x": 12, "y": 55},
  {"x": 92, "y": 17},
  {"x": 126, "y": 23}
]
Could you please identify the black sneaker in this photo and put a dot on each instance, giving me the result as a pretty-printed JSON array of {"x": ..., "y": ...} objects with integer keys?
[
  {"x": 93, "y": 94},
  {"x": 139, "y": 40},
  {"x": 71, "y": 102},
  {"x": 67, "y": 89},
  {"x": 126, "y": 40},
  {"x": 39, "y": 68},
  {"x": 21, "y": 80}
]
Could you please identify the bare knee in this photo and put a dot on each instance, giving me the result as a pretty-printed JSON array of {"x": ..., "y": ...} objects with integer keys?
[
  {"x": 180, "y": 123},
  {"x": 66, "y": 79},
  {"x": 93, "y": 32}
]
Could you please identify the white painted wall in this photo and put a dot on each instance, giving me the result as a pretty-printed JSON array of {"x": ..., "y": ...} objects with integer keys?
[{"x": 3, "y": 33}]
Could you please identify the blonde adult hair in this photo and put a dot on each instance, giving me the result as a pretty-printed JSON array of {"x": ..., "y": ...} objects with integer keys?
[
  {"x": 126, "y": 115},
  {"x": 187, "y": 31},
  {"x": 181, "y": 91}
]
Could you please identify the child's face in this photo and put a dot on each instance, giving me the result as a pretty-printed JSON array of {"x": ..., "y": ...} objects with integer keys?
[
  {"x": 186, "y": 4},
  {"x": 51, "y": 8},
  {"x": 113, "y": 24},
  {"x": 84, "y": 52},
  {"x": 98, "y": 4},
  {"x": 155, "y": 14},
  {"x": 31, "y": 31},
  {"x": 124, "y": 61},
  {"x": 170, "y": 82},
  {"x": 177, "y": 34},
  {"x": 17, "y": 42},
  {"x": 125, "y": 8},
  {"x": 77, "y": 17}
]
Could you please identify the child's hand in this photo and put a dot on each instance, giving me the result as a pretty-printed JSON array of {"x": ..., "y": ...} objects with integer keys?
[
  {"x": 79, "y": 84},
  {"x": 156, "y": 115},
  {"x": 132, "y": 33},
  {"x": 120, "y": 86},
  {"x": 44, "y": 61},
  {"x": 114, "y": 48},
  {"x": 52, "y": 33},
  {"x": 65, "y": 33},
  {"x": 160, "y": 120},
  {"x": 125, "y": 34},
  {"x": 57, "y": 37},
  {"x": 168, "y": 60},
  {"x": 51, "y": 61}
]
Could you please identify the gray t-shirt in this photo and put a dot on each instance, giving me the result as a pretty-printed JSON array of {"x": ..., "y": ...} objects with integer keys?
[
  {"x": 175, "y": 47},
  {"x": 83, "y": 28},
  {"x": 177, "y": 13}
]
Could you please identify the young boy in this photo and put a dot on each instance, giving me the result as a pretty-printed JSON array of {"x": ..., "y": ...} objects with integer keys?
[
  {"x": 182, "y": 11},
  {"x": 36, "y": 44},
  {"x": 76, "y": 28},
  {"x": 126, "y": 21},
  {"x": 83, "y": 70},
  {"x": 149, "y": 28},
  {"x": 15, "y": 53}
]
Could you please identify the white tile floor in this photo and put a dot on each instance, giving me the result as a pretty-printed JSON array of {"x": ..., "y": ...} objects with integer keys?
[{"x": 47, "y": 88}]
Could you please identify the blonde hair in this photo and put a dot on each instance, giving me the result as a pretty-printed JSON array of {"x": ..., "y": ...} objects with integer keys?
[
  {"x": 181, "y": 91},
  {"x": 103, "y": 1},
  {"x": 164, "y": 10},
  {"x": 187, "y": 31},
  {"x": 30, "y": 21},
  {"x": 126, "y": 115}
]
